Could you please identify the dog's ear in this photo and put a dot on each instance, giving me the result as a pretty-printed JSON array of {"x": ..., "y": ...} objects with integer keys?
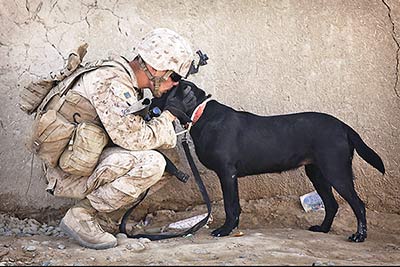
[
  {"x": 176, "y": 90},
  {"x": 198, "y": 92}
]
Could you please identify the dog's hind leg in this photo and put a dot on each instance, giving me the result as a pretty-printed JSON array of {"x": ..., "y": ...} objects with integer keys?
[
  {"x": 324, "y": 190},
  {"x": 340, "y": 177},
  {"x": 229, "y": 184}
]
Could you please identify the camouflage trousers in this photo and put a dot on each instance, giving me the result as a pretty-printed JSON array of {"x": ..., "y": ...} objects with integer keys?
[{"x": 118, "y": 180}]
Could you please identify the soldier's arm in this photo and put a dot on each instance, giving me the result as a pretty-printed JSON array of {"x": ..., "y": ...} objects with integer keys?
[{"x": 130, "y": 131}]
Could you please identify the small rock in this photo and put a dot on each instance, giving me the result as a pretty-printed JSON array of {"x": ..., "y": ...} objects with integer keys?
[
  {"x": 61, "y": 246},
  {"x": 258, "y": 234},
  {"x": 201, "y": 251},
  {"x": 121, "y": 236},
  {"x": 188, "y": 236},
  {"x": 16, "y": 231},
  {"x": 30, "y": 248},
  {"x": 144, "y": 240},
  {"x": 136, "y": 247},
  {"x": 131, "y": 241},
  {"x": 320, "y": 263},
  {"x": 26, "y": 230}
]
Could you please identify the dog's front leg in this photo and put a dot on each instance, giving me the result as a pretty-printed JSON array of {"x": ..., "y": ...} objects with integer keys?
[{"x": 229, "y": 184}]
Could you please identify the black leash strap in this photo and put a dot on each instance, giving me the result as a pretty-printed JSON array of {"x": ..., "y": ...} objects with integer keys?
[
  {"x": 194, "y": 228},
  {"x": 122, "y": 226}
]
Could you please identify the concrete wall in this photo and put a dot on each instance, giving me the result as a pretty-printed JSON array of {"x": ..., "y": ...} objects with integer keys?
[{"x": 266, "y": 56}]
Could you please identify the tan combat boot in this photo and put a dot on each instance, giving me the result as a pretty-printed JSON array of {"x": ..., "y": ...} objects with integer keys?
[{"x": 80, "y": 224}]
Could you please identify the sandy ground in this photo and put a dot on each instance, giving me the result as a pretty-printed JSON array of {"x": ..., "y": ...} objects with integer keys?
[
  {"x": 276, "y": 237},
  {"x": 277, "y": 246}
]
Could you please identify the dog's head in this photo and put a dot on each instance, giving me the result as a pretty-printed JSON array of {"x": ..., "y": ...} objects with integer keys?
[{"x": 199, "y": 94}]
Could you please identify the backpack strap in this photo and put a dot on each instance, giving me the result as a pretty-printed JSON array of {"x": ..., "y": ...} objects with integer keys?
[{"x": 63, "y": 86}]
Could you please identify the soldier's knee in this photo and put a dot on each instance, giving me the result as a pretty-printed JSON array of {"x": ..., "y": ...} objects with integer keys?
[{"x": 158, "y": 161}]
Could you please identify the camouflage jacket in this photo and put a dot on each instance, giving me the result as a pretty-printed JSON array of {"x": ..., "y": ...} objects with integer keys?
[{"x": 111, "y": 89}]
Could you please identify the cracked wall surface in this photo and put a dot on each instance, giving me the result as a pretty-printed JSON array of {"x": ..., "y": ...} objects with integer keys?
[
  {"x": 396, "y": 40},
  {"x": 267, "y": 57}
]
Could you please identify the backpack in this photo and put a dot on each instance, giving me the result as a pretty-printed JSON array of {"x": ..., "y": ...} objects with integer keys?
[
  {"x": 64, "y": 120},
  {"x": 34, "y": 93}
]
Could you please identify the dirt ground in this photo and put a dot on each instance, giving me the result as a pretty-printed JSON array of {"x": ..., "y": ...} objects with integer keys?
[{"x": 274, "y": 233}]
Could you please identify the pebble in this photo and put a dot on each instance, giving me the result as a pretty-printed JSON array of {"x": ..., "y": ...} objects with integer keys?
[
  {"x": 258, "y": 234},
  {"x": 144, "y": 240},
  {"x": 133, "y": 244},
  {"x": 121, "y": 236},
  {"x": 201, "y": 251},
  {"x": 320, "y": 263},
  {"x": 12, "y": 226},
  {"x": 136, "y": 247},
  {"x": 30, "y": 248}
]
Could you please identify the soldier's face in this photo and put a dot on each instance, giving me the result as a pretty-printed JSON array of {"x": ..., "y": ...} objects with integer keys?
[{"x": 167, "y": 85}]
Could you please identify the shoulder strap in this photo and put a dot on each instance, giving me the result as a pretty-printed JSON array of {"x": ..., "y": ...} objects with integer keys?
[{"x": 63, "y": 86}]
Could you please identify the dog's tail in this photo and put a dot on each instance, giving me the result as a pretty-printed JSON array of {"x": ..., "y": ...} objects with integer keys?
[{"x": 365, "y": 151}]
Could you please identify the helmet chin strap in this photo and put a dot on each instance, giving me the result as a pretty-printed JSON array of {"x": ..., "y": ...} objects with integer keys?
[
  {"x": 156, "y": 89},
  {"x": 156, "y": 80}
]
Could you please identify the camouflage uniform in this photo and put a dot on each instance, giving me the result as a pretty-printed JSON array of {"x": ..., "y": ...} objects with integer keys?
[
  {"x": 126, "y": 170},
  {"x": 123, "y": 172}
]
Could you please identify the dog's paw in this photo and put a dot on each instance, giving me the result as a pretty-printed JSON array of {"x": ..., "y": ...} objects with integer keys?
[
  {"x": 357, "y": 237},
  {"x": 222, "y": 231},
  {"x": 318, "y": 228}
]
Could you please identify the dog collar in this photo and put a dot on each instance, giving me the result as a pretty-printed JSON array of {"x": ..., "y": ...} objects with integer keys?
[{"x": 198, "y": 111}]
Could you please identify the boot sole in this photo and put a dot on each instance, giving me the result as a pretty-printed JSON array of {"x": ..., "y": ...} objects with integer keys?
[{"x": 83, "y": 243}]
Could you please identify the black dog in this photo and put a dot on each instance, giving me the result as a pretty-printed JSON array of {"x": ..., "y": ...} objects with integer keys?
[{"x": 237, "y": 144}]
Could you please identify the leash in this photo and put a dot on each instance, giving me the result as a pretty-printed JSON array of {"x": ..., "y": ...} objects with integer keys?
[{"x": 194, "y": 228}]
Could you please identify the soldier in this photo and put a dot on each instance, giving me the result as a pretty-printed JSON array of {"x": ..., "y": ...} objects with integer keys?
[{"x": 131, "y": 166}]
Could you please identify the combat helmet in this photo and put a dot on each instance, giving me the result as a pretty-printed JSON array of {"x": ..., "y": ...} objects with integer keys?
[{"x": 165, "y": 50}]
